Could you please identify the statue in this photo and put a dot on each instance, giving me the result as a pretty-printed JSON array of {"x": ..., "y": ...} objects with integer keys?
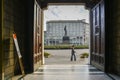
[
  {"x": 65, "y": 31},
  {"x": 65, "y": 37}
]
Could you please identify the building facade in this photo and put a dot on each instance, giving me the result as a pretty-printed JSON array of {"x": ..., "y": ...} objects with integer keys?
[{"x": 76, "y": 30}]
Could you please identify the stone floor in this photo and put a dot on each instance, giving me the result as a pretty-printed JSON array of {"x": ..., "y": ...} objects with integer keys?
[
  {"x": 67, "y": 72},
  {"x": 59, "y": 67}
]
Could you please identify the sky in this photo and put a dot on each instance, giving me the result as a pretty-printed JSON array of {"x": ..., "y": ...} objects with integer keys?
[{"x": 63, "y": 12}]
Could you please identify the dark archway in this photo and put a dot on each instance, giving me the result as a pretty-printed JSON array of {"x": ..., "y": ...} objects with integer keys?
[{"x": 105, "y": 32}]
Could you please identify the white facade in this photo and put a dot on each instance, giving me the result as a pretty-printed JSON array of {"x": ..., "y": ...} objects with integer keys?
[{"x": 77, "y": 30}]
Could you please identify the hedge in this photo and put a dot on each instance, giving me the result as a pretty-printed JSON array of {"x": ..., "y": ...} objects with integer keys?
[
  {"x": 65, "y": 47},
  {"x": 46, "y": 54},
  {"x": 84, "y": 55}
]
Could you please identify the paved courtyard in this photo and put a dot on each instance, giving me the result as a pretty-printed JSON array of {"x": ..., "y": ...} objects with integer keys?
[{"x": 63, "y": 57}]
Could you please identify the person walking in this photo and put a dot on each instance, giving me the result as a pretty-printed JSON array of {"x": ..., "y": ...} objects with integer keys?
[{"x": 73, "y": 54}]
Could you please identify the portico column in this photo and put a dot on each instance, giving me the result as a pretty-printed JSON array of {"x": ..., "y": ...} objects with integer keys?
[{"x": 42, "y": 30}]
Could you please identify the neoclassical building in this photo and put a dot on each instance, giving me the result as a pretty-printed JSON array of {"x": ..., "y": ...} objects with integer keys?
[{"x": 76, "y": 31}]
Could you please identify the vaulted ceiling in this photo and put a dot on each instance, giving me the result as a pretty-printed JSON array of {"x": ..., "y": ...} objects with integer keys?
[{"x": 88, "y": 3}]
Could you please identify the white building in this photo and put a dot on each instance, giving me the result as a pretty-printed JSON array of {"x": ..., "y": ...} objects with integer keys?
[{"x": 77, "y": 30}]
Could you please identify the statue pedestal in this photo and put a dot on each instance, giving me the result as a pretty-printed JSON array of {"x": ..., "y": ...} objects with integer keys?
[{"x": 66, "y": 39}]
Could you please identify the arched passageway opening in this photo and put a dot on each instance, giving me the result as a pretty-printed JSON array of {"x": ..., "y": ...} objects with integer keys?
[
  {"x": 64, "y": 26},
  {"x": 97, "y": 27}
]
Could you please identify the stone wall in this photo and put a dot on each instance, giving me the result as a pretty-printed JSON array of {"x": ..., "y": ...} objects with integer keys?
[
  {"x": 8, "y": 50},
  {"x": 114, "y": 36},
  {"x": 1, "y": 40},
  {"x": 13, "y": 21}
]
